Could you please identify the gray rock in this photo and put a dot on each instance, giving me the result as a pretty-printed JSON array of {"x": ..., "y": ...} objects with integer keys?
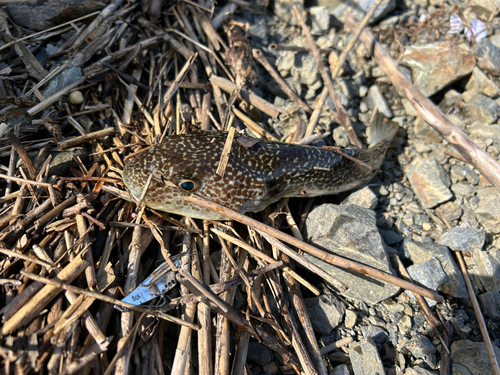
[
  {"x": 459, "y": 369},
  {"x": 489, "y": 56},
  {"x": 409, "y": 108},
  {"x": 452, "y": 212},
  {"x": 325, "y": 312},
  {"x": 419, "y": 371},
  {"x": 473, "y": 356},
  {"x": 420, "y": 252},
  {"x": 437, "y": 65},
  {"x": 425, "y": 132},
  {"x": 358, "y": 8},
  {"x": 490, "y": 304},
  {"x": 350, "y": 319},
  {"x": 350, "y": 231},
  {"x": 375, "y": 99},
  {"x": 420, "y": 347},
  {"x": 429, "y": 181},
  {"x": 459, "y": 173},
  {"x": 320, "y": 19},
  {"x": 283, "y": 9},
  {"x": 63, "y": 79},
  {"x": 481, "y": 83},
  {"x": 463, "y": 189},
  {"x": 488, "y": 211},
  {"x": 483, "y": 131},
  {"x": 285, "y": 61},
  {"x": 488, "y": 5},
  {"x": 305, "y": 69},
  {"x": 62, "y": 161},
  {"x": 364, "y": 197},
  {"x": 429, "y": 274},
  {"x": 483, "y": 109},
  {"x": 404, "y": 324},
  {"x": 464, "y": 239},
  {"x": 495, "y": 39},
  {"x": 365, "y": 358},
  {"x": 341, "y": 370},
  {"x": 378, "y": 334},
  {"x": 390, "y": 237},
  {"x": 487, "y": 268},
  {"x": 271, "y": 368},
  {"x": 40, "y": 16},
  {"x": 340, "y": 137},
  {"x": 258, "y": 353}
]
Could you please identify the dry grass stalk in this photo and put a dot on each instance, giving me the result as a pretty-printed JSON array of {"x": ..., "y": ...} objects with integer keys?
[
  {"x": 224, "y": 158},
  {"x": 342, "y": 115},
  {"x": 479, "y": 315},
  {"x": 327, "y": 257}
]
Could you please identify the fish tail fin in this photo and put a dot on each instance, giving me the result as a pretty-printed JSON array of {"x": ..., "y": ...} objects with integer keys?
[{"x": 380, "y": 130}]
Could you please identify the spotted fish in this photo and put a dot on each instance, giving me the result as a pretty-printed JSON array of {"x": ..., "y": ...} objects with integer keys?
[{"x": 258, "y": 173}]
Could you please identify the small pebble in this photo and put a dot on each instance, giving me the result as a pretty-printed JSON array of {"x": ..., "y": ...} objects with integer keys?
[{"x": 76, "y": 98}]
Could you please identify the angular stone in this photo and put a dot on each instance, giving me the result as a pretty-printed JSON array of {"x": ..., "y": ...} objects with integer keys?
[
  {"x": 481, "y": 83},
  {"x": 340, "y": 137},
  {"x": 490, "y": 304},
  {"x": 258, "y": 353},
  {"x": 62, "y": 80},
  {"x": 320, "y": 19},
  {"x": 451, "y": 211},
  {"x": 350, "y": 319},
  {"x": 409, "y": 108},
  {"x": 62, "y": 161},
  {"x": 420, "y": 252},
  {"x": 437, "y": 65},
  {"x": 489, "y": 59},
  {"x": 342, "y": 369},
  {"x": 364, "y": 197},
  {"x": 325, "y": 312},
  {"x": 305, "y": 69},
  {"x": 473, "y": 356},
  {"x": 488, "y": 211},
  {"x": 283, "y": 9},
  {"x": 463, "y": 189},
  {"x": 483, "y": 131},
  {"x": 429, "y": 274},
  {"x": 375, "y": 99},
  {"x": 429, "y": 181},
  {"x": 378, "y": 334},
  {"x": 419, "y": 371},
  {"x": 464, "y": 239},
  {"x": 351, "y": 232},
  {"x": 487, "y": 268},
  {"x": 358, "y": 8},
  {"x": 483, "y": 109},
  {"x": 420, "y": 347},
  {"x": 426, "y": 132},
  {"x": 365, "y": 358},
  {"x": 459, "y": 172}
]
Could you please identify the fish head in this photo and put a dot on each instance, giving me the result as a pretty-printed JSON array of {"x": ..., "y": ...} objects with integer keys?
[{"x": 185, "y": 165}]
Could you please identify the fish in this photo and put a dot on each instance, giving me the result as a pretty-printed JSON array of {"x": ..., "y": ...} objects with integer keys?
[{"x": 258, "y": 173}]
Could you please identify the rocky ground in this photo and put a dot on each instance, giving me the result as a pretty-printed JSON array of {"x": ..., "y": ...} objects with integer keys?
[{"x": 426, "y": 204}]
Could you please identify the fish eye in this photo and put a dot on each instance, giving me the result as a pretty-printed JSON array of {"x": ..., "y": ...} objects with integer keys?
[{"x": 189, "y": 185}]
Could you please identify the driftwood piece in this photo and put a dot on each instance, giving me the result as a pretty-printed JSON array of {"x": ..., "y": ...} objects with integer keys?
[
  {"x": 257, "y": 101},
  {"x": 483, "y": 162}
]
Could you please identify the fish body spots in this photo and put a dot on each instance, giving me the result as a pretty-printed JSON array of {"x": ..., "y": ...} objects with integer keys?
[{"x": 255, "y": 175}]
